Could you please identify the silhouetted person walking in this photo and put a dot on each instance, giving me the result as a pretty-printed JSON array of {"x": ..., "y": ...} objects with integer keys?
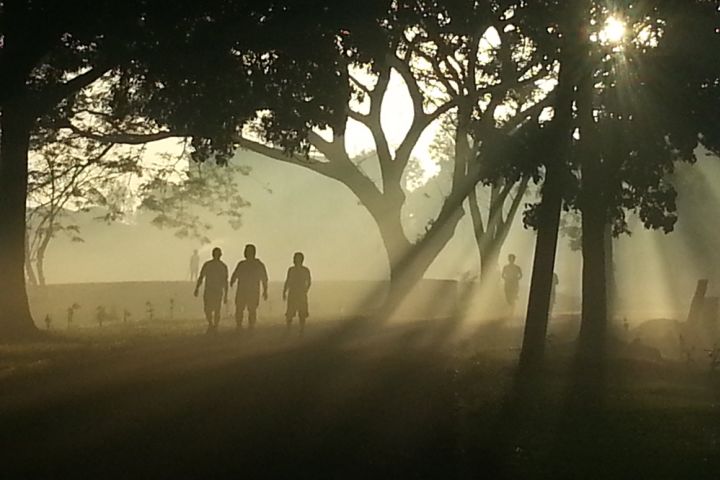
[
  {"x": 194, "y": 266},
  {"x": 511, "y": 274},
  {"x": 215, "y": 274},
  {"x": 295, "y": 290},
  {"x": 249, "y": 275}
]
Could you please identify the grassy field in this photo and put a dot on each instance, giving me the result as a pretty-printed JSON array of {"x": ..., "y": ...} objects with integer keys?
[{"x": 349, "y": 400}]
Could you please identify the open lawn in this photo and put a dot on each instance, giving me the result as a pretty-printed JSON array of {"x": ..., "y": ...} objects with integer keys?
[{"x": 348, "y": 400}]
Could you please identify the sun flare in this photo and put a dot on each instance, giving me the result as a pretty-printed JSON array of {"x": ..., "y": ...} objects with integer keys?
[{"x": 613, "y": 31}]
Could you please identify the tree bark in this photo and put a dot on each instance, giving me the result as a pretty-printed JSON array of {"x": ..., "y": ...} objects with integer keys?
[
  {"x": 593, "y": 328},
  {"x": 16, "y": 124}
]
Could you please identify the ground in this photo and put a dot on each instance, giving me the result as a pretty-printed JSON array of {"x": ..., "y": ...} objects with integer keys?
[{"x": 349, "y": 400}]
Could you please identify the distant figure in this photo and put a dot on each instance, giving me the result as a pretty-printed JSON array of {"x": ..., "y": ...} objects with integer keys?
[
  {"x": 249, "y": 275},
  {"x": 71, "y": 313},
  {"x": 215, "y": 274},
  {"x": 555, "y": 282},
  {"x": 48, "y": 321},
  {"x": 100, "y": 315},
  {"x": 194, "y": 265},
  {"x": 150, "y": 310},
  {"x": 295, "y": 290},
  {"x": 511, "y": 274}
]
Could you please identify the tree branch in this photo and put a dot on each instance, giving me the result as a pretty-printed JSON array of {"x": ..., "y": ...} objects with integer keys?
[
  {"x": 57, "y": 93},
  {"x": 123, "y": 138},
  {"x": 416, "y": 95},
  {"x": 346, "y": 173},
  {"x": 360, "y": 85}
]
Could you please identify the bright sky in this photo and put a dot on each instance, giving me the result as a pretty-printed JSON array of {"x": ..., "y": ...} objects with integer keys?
[{"x": 396, "y": 117}]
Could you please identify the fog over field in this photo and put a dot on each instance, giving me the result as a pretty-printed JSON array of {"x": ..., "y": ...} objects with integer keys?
[{"x": 294, "y": 210}]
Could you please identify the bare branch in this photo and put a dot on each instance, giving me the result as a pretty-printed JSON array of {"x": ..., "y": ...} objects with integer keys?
[
  {"x": 531, "y": 112},
  {"x": 333, "y": 151},
  {"x": 358, "y": 117}
]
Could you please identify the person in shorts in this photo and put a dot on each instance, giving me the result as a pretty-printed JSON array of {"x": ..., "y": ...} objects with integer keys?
[
  {"x": 297, "y": 284},
  {"x": 214, "y": 273},
  {"x": 250, "y": 274}
]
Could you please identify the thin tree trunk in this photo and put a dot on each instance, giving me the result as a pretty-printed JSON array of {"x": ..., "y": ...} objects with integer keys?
[
  {"x": 40, "y": 267},
  {"x": 40, "y": 260},
  {"x": 479, "y": 233},
  {"x": 29, "y": 270},
  {"x": 500, "y": 227},
  {"x": 490, "y": 238},
  {"x": 15, "y": 317}
]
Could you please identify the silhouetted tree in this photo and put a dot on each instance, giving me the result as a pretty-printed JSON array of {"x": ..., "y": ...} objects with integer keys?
[
  {"x": 465, "y": 62},
  {"x": 628, "y": 132},
  {"x": 493, "y": 213},
  {"x": 69, "y": 175},
  {"x": 201, "y": 67},
  {"x": 180, "y": 197}
]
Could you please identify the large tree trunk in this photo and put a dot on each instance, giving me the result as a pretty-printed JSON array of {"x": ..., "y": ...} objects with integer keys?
[
  {"x": 533, "y": 347},
  {"x": 408, "y": 262},
  {"x": 490, "y": 261},
  {"x": 594, "y": 289},
  {"x": 594, "y": 272},
  {"x": 15, "y": 317},
  {"x": 594, "y": 226}
]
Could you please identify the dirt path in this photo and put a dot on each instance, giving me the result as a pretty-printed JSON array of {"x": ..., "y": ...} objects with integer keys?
[{"x": 229, "y": 406}]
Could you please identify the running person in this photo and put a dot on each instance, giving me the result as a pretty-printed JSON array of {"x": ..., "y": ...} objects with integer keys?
[
  {"x": 249, "y": 275},
  {"x": 295, "y": 290},
  {"x": 511, "y": 274},
  {"x": 215, "y": 274}
]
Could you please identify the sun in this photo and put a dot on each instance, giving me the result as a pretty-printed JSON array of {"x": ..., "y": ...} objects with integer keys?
[{"x": 613, "y": 31}]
